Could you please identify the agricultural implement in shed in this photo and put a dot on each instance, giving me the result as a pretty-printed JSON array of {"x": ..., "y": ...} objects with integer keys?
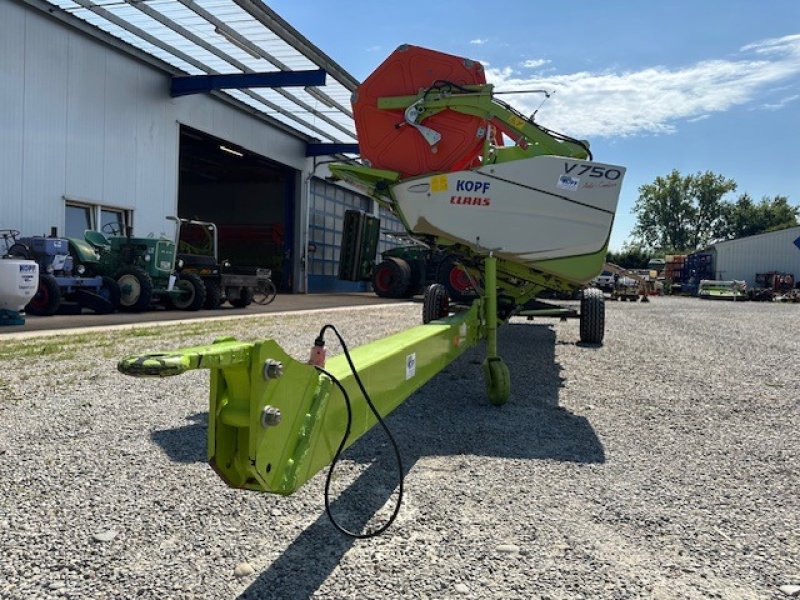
[{"x": 520, "y": 220}]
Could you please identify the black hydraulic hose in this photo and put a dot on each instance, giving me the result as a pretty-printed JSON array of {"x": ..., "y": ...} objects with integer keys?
[{"x": 345, "y": 437}]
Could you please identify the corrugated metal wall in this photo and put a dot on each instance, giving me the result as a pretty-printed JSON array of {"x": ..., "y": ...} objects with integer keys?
[
  {"x": 743, "y": 258},
  {"x": 88, "y": 122}
]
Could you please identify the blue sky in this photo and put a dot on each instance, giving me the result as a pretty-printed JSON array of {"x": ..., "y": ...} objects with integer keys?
[{"x": 701, "y": 85}]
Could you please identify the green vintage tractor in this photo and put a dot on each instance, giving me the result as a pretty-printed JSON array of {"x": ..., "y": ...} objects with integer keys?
[{"x": 144, "y": 268}]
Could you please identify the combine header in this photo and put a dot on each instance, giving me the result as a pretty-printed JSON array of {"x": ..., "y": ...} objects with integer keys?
[{"x": 520, "y": 219}]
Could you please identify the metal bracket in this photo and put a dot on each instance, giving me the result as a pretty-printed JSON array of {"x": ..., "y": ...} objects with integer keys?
[{"x": 412, "y": 113}]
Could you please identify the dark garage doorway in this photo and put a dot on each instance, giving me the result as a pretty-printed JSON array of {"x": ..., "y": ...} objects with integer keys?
[{"x": 249, "y": 197}]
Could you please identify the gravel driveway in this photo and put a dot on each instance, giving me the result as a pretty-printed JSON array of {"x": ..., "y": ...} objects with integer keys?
[{"x": 662, "y": 465}]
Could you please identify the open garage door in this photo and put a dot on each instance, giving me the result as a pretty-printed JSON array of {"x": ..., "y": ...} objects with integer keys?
[{"x": 249, "y": 197}]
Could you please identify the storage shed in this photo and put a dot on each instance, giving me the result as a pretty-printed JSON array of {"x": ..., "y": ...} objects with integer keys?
[{"x": 742, "y": 258}]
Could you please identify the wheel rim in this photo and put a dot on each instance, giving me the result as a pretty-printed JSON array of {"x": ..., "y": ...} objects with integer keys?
[
  {"x": 459, "y": 280},
  {"x": 383, "y": 279},
  {"x": 130, "y": 290}
]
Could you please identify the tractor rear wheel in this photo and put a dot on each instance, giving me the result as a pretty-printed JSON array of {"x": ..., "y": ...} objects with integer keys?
[
  {"x": 47, "y": 298},
  {"x": 593, "y": 316},
  {"x": 136, "y": 289},
  {"x": 194, "y": 292},
  {"x": 435, "y": 304},
  {"x": 392, "y": 278}
]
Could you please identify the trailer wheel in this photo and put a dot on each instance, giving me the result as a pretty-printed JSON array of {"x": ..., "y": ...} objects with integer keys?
[
  {"x": 392, "y": 278},
  {"x": 47, "y": 297},
  {"x": 497, "y": 379},
  {"x": 435, "y": 304},
  {"x": 593, "y": 316},
  {"x": 136, "y": 289},
  {"x": 195, "y": 295},
  {"x": 213, "y": 295},
  {"x": 245, "y": 298}
]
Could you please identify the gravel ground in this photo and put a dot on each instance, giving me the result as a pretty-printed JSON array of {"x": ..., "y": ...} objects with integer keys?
[{"x": 662, "y": 465}]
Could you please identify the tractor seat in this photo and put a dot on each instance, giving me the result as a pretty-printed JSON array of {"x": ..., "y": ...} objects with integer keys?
[{"x": 96, "y": 239}]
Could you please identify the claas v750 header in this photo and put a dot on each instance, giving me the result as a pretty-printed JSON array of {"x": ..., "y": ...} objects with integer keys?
[{"x": 521, "y": 218}]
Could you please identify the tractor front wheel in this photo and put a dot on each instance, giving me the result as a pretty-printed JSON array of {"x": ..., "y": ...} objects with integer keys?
[
  {"x": 213, "y": 295},
  {"x": 455, "y": 280},
  {"x": 136, "y": 289},
  {"x": 245, "y": 298},
  {"x": 194, "y": 292},
  {"x": 47, "y": 298}
]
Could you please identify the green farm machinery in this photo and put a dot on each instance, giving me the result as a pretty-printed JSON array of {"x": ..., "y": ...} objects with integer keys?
[
  {"x": 144, "y": 268},
  {"x": 519, "y": 220}
]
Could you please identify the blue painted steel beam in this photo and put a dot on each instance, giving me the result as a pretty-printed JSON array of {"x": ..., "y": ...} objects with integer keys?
[
  {"x": 199, "y": 84},
  {"x": 326, "y": 149}
]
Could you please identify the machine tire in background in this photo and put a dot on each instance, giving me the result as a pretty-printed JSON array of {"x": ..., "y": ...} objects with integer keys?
[
  {"x": 47, "y": 298},
  {"x": 435, "y": 303},
  {"x": 195, "y": 289},
  {"x": 265, "y": 293},
  {"x": 110, "y": 291},
  {"x": 94, "y": 302},
  {"x": 20, "y": 251},
  {"x": 136, "y": 289},
  {"x": 392, "y": 278},
  {"x": 455, "y": 280},
  {"x": 593, "y": 316},
  {"x": 213, "y": 295},
  {"x": 245, "y": 298}
]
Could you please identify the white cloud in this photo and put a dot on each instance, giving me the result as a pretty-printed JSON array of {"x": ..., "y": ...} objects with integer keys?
[
  {"x": 654, "y": 99},
  {"x": 534, "y": 63},
  {"x": 373, "y": 48},
  {"x": 780, "y": 103},
  {"x": 478, "y": 41}
]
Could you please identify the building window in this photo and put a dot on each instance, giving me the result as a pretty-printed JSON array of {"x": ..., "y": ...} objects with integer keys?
[
  {"x": 80, "y": 216},
  {"x": 78, "y": 219},
  {"x": 328, "y": 205}
]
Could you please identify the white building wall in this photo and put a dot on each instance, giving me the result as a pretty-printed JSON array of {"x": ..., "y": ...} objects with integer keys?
[
  {"x": 85, "y": 121},
  {"x": 743, "y": 258}
]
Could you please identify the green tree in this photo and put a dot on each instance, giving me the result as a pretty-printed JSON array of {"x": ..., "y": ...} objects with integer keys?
[
  {"x": 680, "y": 212},
  {"x": 630, "y": 257},
  {"x": 745, "y": 217}
]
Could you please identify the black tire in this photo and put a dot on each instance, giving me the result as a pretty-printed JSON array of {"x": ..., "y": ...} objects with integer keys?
[
  {"x": 435, "y": 303},
  {"x": 94, "y": 302},
  {"x": 136, "y": 289},
  {"x": 47, "y": 297},
  {"x": 265, "y": 293},
  {"x": 20, "y": 251},
  {"x": 213, "y": 295},
  {"x": 110, "y": 291},
  {"x": 455, "y": 280},
  {"x": 392, "y": 278},
  {"x": 195, "y": 296},
  {"x": 245, "y": 298},
  {"x": 593, "y": 316}
]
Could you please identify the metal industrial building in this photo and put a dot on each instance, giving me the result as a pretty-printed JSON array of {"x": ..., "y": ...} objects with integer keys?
[
  {"x": 100, "y": 124},
  {"x": 742, "y": 258}
]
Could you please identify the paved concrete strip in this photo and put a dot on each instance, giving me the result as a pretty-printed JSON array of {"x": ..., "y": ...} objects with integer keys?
[{"x": 21, "y": 335}]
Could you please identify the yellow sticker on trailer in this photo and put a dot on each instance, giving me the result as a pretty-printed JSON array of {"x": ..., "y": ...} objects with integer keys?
[{"x": 439, "y": 183}]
